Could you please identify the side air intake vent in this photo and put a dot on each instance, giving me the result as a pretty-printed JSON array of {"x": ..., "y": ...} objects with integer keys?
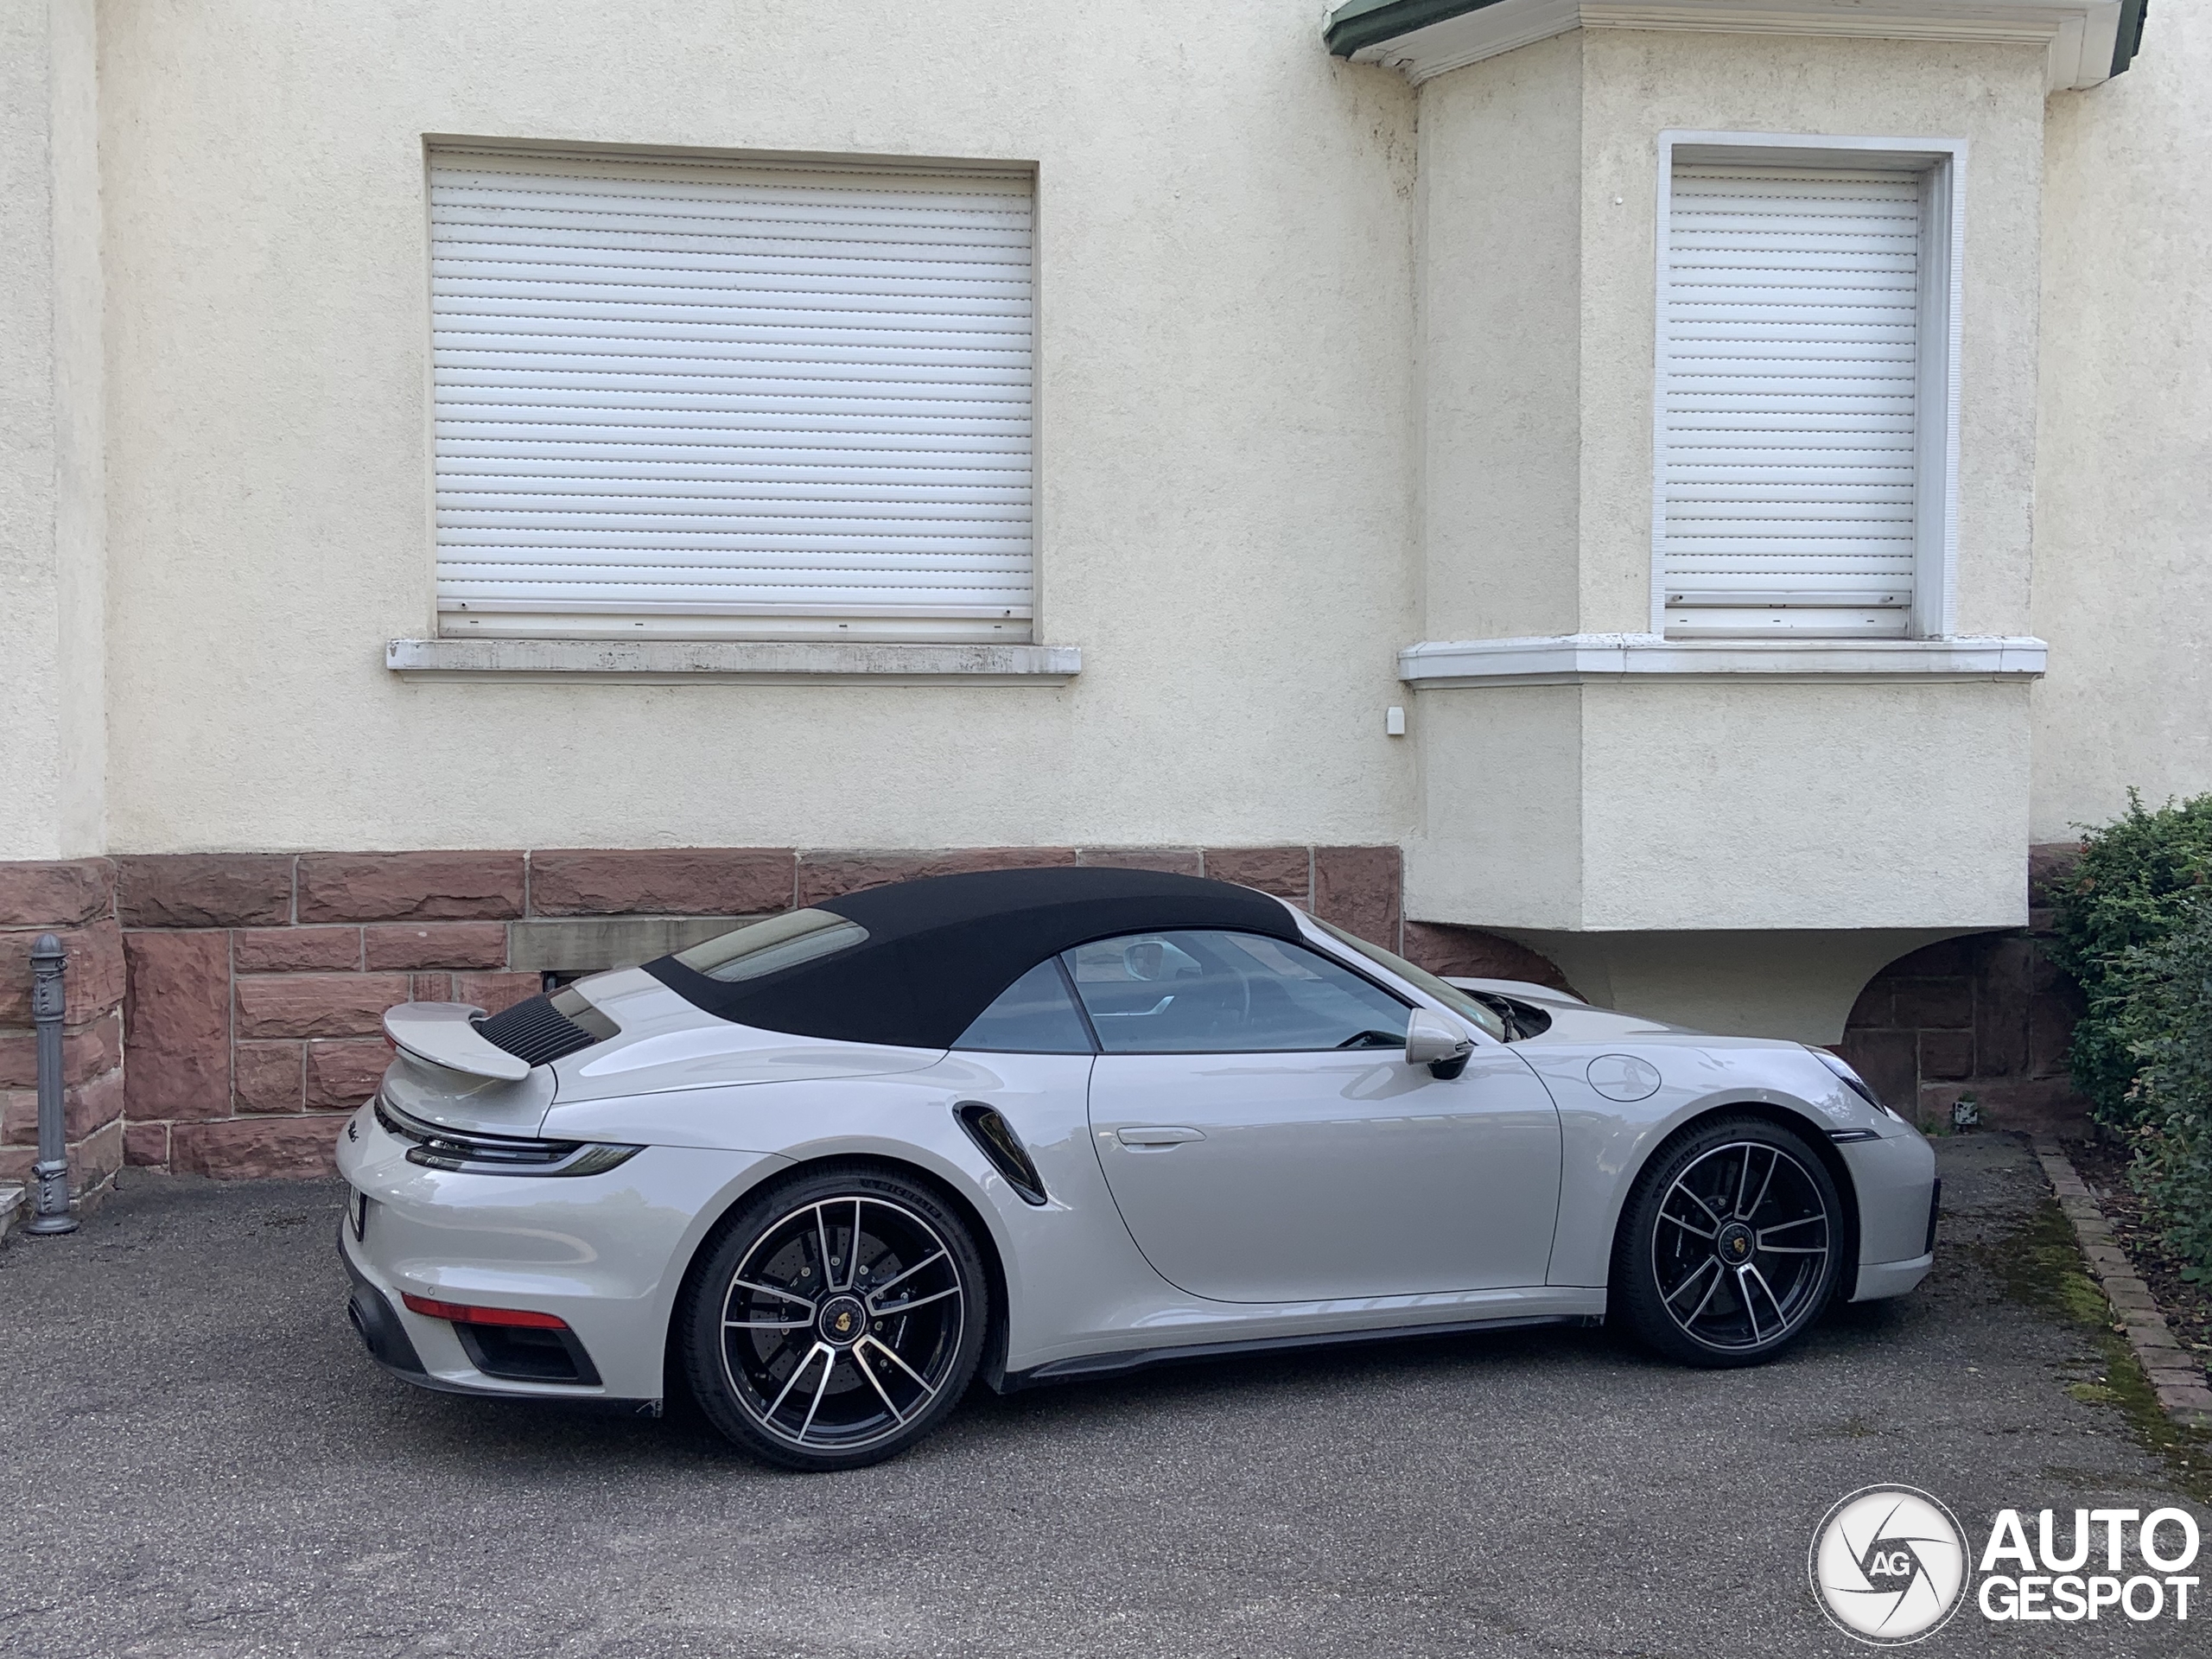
[
  {"x": 994, "y": 1137},
  {"x": 543, "y": 1029}
]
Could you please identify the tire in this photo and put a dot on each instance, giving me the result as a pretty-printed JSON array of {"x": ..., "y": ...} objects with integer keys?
[
  {"x": 1730, "y": 1244},
  {"x": 817, "y": 1380}
]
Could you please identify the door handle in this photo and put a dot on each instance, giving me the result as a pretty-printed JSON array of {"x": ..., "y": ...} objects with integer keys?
[{"x": 1160, "y": 1136}]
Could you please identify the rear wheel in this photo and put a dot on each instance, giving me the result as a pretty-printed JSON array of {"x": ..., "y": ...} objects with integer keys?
[
  {"x": 839, "y": 1320},
  {"x": 1730, "y": 1245}
]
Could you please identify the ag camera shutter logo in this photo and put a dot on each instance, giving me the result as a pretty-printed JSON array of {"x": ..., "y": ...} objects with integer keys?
[{"x": 1888, "y": 1565}]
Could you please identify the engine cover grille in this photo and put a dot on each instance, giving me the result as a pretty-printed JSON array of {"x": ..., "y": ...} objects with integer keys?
[{"x": 535, "y": 1032}]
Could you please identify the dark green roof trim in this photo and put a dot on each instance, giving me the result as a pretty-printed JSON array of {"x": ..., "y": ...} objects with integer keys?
[
  {"x": 1359, "y": 23},
  {"x": 2129, "y": 41}
]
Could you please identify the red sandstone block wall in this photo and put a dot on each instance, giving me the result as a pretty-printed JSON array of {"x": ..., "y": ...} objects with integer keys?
[
  {"x": 1990, "y": 1015},
  {"x": 74, "y": 900},
  {"x": 226, "y": 1007}
]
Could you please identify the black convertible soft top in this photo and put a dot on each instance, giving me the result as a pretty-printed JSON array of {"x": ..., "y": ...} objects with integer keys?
[{"x": 939, "y": 951}]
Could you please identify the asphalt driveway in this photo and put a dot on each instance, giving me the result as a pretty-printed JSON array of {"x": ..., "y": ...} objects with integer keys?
[{"x": 201, "y": 1460}]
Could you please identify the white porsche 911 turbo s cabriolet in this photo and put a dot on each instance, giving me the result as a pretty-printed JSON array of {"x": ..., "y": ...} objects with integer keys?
[{"x": 1052, "y": 1123}]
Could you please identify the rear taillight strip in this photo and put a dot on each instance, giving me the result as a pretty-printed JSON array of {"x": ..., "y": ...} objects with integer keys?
[
  {"x": 468, "y": 1313},
  {"x": 498, "y": 1155}
]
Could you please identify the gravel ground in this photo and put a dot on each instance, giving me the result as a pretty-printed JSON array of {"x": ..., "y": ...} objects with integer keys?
[{"x": 206, "y": 1463}]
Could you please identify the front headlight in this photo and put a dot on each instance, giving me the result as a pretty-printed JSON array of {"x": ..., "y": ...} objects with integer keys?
[{"x": 1852, "y": 1080}]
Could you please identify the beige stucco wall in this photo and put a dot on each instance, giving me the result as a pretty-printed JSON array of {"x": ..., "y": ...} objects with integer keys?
[
  {"x": 2123, "y": 554},
  {"x": 1301, "y": 401},
  {"x": 1683, "y": 805},
  {"x": 1804, "y": 806},
  {"x": 52, "y": 569},
  {"x": 1500, "y": 344},
  {"x": 1225, "y": 226},
  {"x": 1760, "y": 983},
  {"x": 1502, "y": 835}
]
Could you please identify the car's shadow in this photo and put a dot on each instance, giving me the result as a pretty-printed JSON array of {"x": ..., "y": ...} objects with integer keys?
[{"x": 1245, "y": 1387}]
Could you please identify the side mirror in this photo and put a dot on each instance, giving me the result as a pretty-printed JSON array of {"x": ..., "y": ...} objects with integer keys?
[
  {"x": 1145, "y": 961},
  {"x": 1434, "y": 1042}
]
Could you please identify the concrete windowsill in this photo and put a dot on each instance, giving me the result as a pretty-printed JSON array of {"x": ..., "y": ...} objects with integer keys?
[
  {"x": 1592, "y": 659},
  {"x": 769, "y": 662}
]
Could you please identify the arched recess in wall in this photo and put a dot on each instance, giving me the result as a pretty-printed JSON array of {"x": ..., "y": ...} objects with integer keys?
[
  {"x": 1987, "y": 1016},
  {"x": 1470, "y": 953}
]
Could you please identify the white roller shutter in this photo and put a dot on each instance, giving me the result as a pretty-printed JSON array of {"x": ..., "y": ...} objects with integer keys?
[
  {"x": 708, "y": 398},
  {"x": 1788, "y": 400}
]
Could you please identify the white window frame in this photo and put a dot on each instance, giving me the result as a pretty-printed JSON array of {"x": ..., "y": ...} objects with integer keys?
[{"x": 1941, "y": 163}]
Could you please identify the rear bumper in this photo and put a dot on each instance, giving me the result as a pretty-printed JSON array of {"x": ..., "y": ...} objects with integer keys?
[
  {"x": 379, "y": 1320},
  {"x": 376, "y": 1323},
  {"x": 605, "y": 1254}
]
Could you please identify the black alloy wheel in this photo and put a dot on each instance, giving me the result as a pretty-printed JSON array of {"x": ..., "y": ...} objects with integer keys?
[
  {"x": 839, "y": 1320},
  {"x": 1731, "y": 1245}
]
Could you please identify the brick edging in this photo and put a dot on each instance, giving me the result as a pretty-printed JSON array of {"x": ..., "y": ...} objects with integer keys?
[{"x": 2179, "y": 1379}]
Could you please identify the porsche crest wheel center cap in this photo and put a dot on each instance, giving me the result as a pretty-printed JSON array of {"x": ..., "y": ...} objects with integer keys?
[
  {"x": 842, "y": 1321},
  {"x": 1734, "y": 1243}
]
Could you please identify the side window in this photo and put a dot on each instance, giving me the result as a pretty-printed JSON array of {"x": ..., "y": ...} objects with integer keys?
[
  {"x": 1033, "y": 1015},
  {"x": 1196, "y": 993}
]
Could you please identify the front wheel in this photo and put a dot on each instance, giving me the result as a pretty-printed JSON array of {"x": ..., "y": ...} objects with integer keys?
[
  {"x": 838, "y": 1320},
  {"x": 1729, "y": 1246}
]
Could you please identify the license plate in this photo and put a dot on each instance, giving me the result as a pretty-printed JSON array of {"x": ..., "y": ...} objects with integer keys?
[{"x": 357, "y": 1213}]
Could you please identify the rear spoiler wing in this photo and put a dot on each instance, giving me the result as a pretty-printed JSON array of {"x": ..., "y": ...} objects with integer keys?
[{"x": 444, "y": 1033}]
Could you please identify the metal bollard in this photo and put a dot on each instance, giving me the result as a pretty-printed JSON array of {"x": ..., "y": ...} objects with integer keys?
[{"x": 52, "y": 1170}]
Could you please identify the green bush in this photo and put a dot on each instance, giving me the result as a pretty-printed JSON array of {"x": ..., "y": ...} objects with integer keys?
[
  {"x": 2141, "y": 880},
  {"x": 2168, "y": 1030}
]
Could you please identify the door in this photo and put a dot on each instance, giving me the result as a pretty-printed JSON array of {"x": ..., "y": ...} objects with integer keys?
[{"x": 1266, "y": 1142}]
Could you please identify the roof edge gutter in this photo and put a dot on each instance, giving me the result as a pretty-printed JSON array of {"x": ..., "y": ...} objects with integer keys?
[
  {"x": 1358, "y": 24},
  {"x": 2129, "y": 41},
  {"x": 1357, "y": 28}
]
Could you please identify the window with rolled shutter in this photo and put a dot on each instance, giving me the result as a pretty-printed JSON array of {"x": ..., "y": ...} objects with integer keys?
[
  {"x": 1790, "y": 400},
  {"x": 714, "y": 398}
]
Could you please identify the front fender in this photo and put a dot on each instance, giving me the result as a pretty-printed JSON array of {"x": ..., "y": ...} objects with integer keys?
[{"x": 1606, "y": 1144}]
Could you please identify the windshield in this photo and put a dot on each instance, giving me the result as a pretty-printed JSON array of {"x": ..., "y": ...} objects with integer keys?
[
  {"x": 1451, "y": 996},
  {"x": 782, "y": 941}
]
